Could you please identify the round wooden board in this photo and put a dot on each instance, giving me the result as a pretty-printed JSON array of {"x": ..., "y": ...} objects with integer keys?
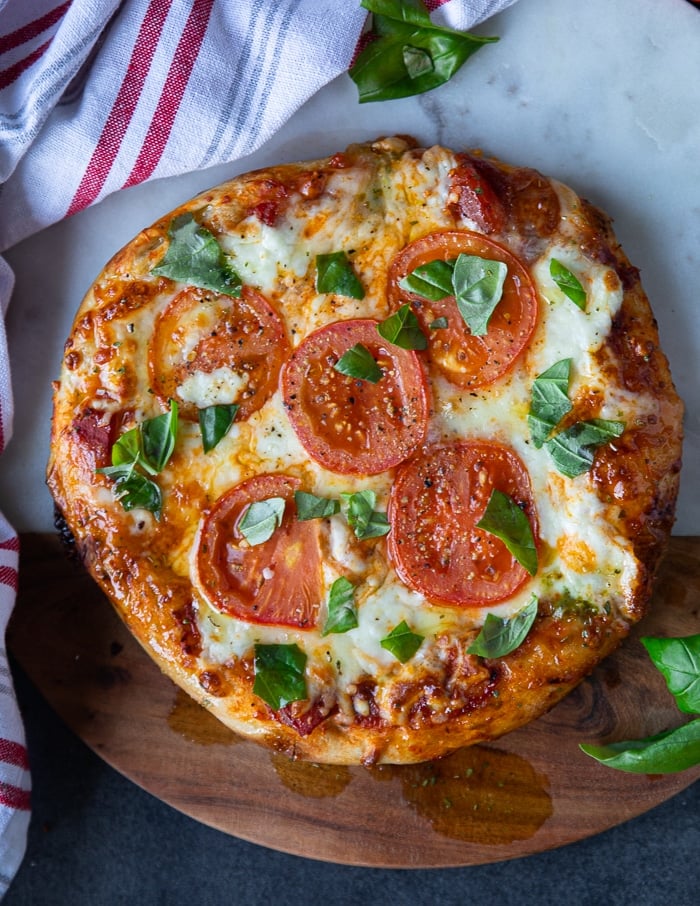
[{"x": 531, "y": 791}]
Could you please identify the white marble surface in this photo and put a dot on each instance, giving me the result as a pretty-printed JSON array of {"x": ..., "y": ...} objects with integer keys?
[{"x": 605, "y": 96}]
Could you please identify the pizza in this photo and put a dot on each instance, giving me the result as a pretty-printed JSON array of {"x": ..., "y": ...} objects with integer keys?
[{"x": 376, "y": 455}]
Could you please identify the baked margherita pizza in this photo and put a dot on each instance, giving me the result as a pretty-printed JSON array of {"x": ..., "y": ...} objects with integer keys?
[{"x": 376, "y": 455}]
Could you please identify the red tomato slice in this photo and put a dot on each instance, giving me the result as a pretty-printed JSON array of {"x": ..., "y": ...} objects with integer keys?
[
  {"x": 435, "y": 503},
  {"x": 466, "y": 360},
  {"x": 276, "y": 582},
  {"x": 202, "y": 332},
  {"x": 346, "y": 424}
]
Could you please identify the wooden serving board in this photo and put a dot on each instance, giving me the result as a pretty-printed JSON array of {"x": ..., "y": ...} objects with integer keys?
[{"x": 533, "y": 790}]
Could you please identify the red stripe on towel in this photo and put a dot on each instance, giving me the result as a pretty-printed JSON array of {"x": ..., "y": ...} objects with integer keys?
[{"x": 173, "y": 89}]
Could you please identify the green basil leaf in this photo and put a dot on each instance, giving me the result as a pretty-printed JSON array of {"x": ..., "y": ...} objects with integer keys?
[
  {"x": 158, "y": 437},
  {"x": 573, "y": 450},
  {"x": 403, "y": 10},
  {"x": 261, "y": 518},
  {"x": 438, "y": 324},
  {"x": 478, "y": 284},
  {"x": 678, "y": 661},
  {"x": 311, "y": 507},
  {"x": 665, "y": 753},
  {"x": 403, "y": 329},
  {"x": 362, "y": 518},
  {"x": 342, "y": 614},
  {"x": 550, "y": 401},
  {"x": 214, "y": 423},
  {"x": 418, "y": 62},
  {"x": 432, "y": 281},
  {"x": 196, "y": 258},
  {"x": 334, "y": 274},
  {"x": 121, "y": 472},
  {"x": 126, "y": 450},
  {"x": 139, "y": 492},
  {"x": 385, "y": 70},
  {"x": 499, "y": 635},
  {"x": 568, "y": 283},
  {"x": 402, "y": 642},
  {"x": 358, "y": 363},
  {"x": 504, "y": 519},
  {"x": 279, "y": 674}
]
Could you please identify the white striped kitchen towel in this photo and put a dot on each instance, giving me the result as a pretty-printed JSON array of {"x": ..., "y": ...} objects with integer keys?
[{"x": 98, "y": 95}]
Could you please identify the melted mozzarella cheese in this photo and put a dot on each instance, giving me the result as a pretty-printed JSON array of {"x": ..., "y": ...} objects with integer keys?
[{"x": 220, "y": 387}]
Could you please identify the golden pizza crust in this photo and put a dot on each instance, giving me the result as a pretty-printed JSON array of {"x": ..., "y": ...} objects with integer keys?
[{"x": 145, "y": 565}]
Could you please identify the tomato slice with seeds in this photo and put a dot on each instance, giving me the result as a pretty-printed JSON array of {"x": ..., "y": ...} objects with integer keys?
[
  {"x": 209, "y": 349},
  {"x": 350, "y": 425},
  {"x": 276, "y": 582},
  {"x": 435, "y": 504},
  {"x": 466, "y": 360}
]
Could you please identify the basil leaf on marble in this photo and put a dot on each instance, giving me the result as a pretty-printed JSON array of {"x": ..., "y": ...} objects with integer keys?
[
  {"x": 678, "y": 661},
  {"x": 214, "y": 423},
  {"x": 574, "y": 448},
  {"x": 407, "y": 53},
  {"x": 362, "y": 517},
  {"x": 568, "y": 283},
  {"x": 504, "y": 519},
  {"x": 261, "y": 519},
  {"x": 500, "y": 635},
  {"x": 358, "y": 362},
  {"x": 664, "y": 753},
  {"x": 402, "y": 642},
  {"x": 309, "y": 506},
  {"x": 550, "y": 401},
  {"x": 403, "y": 329},
  {"x": 279, "y": 674},
  {"x": 335, "y": 274},
  {"x": 342, "y": 614},
  {"x": 195, "y": 257}
]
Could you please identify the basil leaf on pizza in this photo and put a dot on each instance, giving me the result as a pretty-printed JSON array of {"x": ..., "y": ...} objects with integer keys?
[
  {"x": 408, "y": 54},
  {"x": 214, "y": 423},
  {"x": 504, "y": 519},
  {"x": 550, "y": 401},
  {"x": 568, "y": 283},
  {"x": 359, "y": 363},
  {"x": 501, "y": 635},
  {"x": 403, "y": 329},
  {"x": 475, "y": 282},
  {"x": 402, "y": 642},
  {"x": 145, "y": 448},
  {"x": 309, "y": 506},
  {"x": 432, "y": 281},
  {"x": 362, "y": 517},
  {"x": 158, "y": 439},
  {"x": 261, "y": 519},
  {"x": 573, "y": 449},
  {"x": 279, "y": 674},
  {"x": 334, "y": 274},
  {"x": 136, "y": 491},
  {"x": 196, "y": 258},
  {"x": 478, "y": 284},
  {"x": 342, "y": 613}
]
